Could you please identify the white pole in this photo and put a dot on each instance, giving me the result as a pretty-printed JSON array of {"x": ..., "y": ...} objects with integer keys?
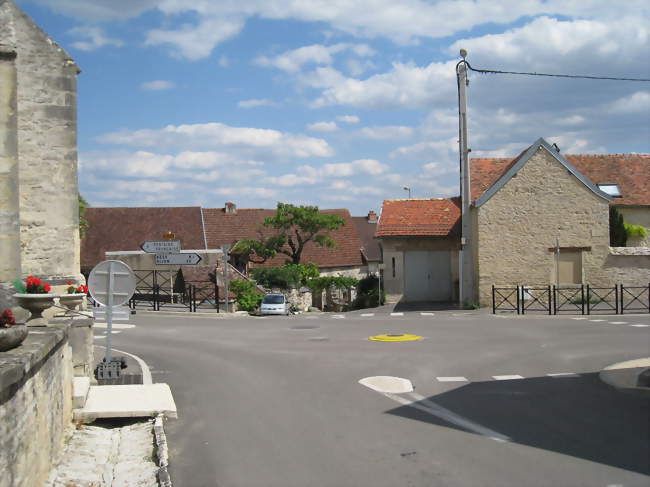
[
  {"x": 464, "y": 258},
  {"x": 109, "y": 312},
  {"x": 557, "y": 261}
]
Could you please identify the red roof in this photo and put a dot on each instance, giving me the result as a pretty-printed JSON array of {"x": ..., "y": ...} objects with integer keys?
[
  {"x": 114, "y": 229},
  {"x": 222, "y": 228},
  {"x": 434, "y": 217},
  {"x": 631, "y": 172}
]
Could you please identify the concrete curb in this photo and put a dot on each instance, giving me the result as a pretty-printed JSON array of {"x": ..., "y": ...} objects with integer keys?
[
  {"x": 164, "y": 480},
  {"x": 625, "y": 375}
]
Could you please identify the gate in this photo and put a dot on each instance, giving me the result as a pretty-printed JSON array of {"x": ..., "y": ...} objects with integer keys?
[{"x": 539, "y": 299}]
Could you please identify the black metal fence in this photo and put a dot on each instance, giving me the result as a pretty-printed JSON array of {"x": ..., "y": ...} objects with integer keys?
[
  {"x": 581, "y": 299},
  {"x": 156, "y": 290}
]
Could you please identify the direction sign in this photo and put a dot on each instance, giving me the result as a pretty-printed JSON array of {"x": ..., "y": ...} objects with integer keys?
[
  {"x": 162, "y": 246},
  {"x": 111, "y": 283},
  {"x": 178, "y": 259}
]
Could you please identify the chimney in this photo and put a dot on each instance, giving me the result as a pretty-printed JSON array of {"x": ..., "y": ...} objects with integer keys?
[
  {"x": 372, "y": 217},
  {"x": 230, "y": 208}
]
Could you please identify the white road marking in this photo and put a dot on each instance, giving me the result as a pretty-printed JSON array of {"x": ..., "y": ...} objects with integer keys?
[
  {"x": 507, "y": 377},
  {"x": 338, "y": 317},
  {"x": 427, "y": 314},
  {"x": 563, "y": 374},
  {"x": 596, "y": 321},
  {"x": 618, "y": 322},
  {"x": 451, "y": 379},
  {"x": 640, "y": 326},
  {"x": 397, "y": 314},
  {"x": 579, "y": 318},
  {"x": 387, "y": 384},
  {"x": 311, "y": 317},
  {"x": 99, "y": 336},
  {"x": 113, "y": 332},
  {"x": 146, "y": 373},
  {"x": 367, "y": 314},
  {"x": 100, "y": 324}
]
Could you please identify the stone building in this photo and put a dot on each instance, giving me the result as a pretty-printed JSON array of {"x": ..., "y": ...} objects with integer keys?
[
  {"x": 522, "y": 210},
  {"x": 39, "y": 227}
]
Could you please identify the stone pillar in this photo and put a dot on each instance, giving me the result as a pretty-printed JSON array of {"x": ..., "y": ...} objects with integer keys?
[{"x": 9, "y": 198}]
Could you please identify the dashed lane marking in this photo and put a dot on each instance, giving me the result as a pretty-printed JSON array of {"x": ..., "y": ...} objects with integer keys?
[
  {"x": 397, "y": 314},
  {"x": 338, "y": 317},
  {"x": 597, "y": 321},
  {"x": 618, "y": 322},
  {"x": 507, "y": 377},
  {"x": 427, "y": 314},
  {"x": 367, "y": 314},
  {"x": 451, "y": 379},
  {"x": 560, "y": 375},
  {"x": 579, "y": 318},
  {"x": 640, "y": 326}
]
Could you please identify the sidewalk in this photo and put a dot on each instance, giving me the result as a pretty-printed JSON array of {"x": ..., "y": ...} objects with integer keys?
[{"x": 116, "y": 453}]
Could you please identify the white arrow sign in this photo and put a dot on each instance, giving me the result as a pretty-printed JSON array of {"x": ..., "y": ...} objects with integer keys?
[
  {"x": 177, "y": 259},
  {"x": 162, "y": 246}
]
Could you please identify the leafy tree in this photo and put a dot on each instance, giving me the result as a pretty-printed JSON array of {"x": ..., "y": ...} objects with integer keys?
[
  {"x": 286, "y": 276},
  {"x": 83, "y": 223},
  {"x": 246, "y": 294},
  {"x": 292, "y": 227},
  {"x": 617, "y": 233}
]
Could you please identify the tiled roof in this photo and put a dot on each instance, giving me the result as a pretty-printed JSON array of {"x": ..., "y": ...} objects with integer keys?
[
  {"x": 222, "y": 228},
  {"x": 113, "y": 229},
  {"x": 366, "y": 232},
  {"x": 631, "y": 172},
  {"x": 435, "y": 217}
]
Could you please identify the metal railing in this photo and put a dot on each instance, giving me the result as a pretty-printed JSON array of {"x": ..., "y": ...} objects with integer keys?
[
  {"x": 583, "y": 299},
  {"x": 156, "y": 291}
]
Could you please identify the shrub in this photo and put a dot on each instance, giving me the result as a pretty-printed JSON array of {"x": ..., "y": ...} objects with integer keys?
[
  {"x": 367, "y": 293},
  {"x": 285, "y": 277},
  {"x": 246, "y": 294},
  {"x": 635, "y": 230}
]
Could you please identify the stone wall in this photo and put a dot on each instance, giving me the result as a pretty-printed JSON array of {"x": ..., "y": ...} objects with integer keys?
[
  {"x": 518, "y": 225},
  {"x": 637, "y": 215},
  {"x": 628, "y": 265},
  {"x": 394, "y": 248},
  {"x": 35, "y": 406}
]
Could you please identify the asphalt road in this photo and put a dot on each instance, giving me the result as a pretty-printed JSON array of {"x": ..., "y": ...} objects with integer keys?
[{"x": 276, "y": 401}]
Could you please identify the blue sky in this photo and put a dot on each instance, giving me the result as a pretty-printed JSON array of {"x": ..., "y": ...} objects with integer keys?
[{"x": 335, "y": 103}]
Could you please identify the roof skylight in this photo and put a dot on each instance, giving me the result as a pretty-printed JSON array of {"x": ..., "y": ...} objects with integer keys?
[{"x": 610, "y": 188}]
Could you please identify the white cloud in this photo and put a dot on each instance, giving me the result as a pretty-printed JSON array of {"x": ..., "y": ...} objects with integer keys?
[
  {"x": 95, "y": 38},
  {"x": 638, "y": 102},
  {"x": 254, "y": 102},
  {"x": 209, "y": 135},
  {"x": 348, "y": 118},
  {"x": 345, "y": 169},
  {"x": 250, "y": 190},
  {"x": 386, "y": 132},
  {"x": 323, "y": 127},
  {"x": 157, "y": 85}
]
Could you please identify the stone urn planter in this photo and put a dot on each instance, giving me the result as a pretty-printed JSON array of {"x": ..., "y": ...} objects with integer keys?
[
  {"x": 35, "y": 304},
  {"x": 13, "y": 336},
  {"x": 71, "y": 301}
]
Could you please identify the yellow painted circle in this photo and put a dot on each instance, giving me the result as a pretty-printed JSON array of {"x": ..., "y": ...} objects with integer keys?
[{"x": 397, "y": 337}]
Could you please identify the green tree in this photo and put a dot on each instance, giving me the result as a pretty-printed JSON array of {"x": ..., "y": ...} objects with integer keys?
[
  {"x": 83, "y": 223},
  {"x": 292, "y": 227},
  {"x": 617, "y": 233}
]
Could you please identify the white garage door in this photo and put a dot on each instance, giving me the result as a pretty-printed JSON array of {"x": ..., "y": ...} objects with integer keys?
[{"x": 427, "y": 275}]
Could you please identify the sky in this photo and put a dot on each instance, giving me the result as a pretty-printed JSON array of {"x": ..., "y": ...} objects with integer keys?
[{"x": 336, "y": 103}]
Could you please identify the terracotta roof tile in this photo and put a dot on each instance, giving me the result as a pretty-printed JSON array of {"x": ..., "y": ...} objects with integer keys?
[
  {"x": 631, "y": 172},
  {"x": 113, "y": 229},
  {"x": 435, "y": 217},
  {"x": 366, "y": 232},
  {"x": 222, "y": 228}
]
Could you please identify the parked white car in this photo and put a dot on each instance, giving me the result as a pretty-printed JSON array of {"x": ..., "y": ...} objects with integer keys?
[{"x": 275, "y": 304}]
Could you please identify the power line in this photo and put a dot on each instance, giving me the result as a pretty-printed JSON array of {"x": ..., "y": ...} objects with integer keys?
[{"x": 580, "y": 76}]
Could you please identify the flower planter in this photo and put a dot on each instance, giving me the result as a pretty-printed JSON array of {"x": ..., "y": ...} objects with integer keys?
[
  {"x": 71, "y": 301},
  {"x": 12, "y": 337},
  {"x": 35, "y": 304}
]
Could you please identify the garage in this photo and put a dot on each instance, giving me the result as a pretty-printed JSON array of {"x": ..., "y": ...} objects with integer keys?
[{"x": 427, "y": 275}]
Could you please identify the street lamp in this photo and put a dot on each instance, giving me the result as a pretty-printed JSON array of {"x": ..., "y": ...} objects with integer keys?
[{"x": 406, "y": 188}]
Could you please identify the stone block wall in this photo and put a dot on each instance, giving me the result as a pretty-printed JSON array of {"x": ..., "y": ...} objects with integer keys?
[
  {"x": 518, "y": 225},
  {"x": 45, "y": 136},
  {"x": 35, "y": 407}
]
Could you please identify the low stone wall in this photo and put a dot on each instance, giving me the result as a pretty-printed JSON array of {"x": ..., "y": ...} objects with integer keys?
[
  {"x": 629, "y": 266},
  {"x": 35, "y": 406},
  {"x": 300, "y": 298}
]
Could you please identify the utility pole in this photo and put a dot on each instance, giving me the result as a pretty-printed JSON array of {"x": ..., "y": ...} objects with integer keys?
[
  {"x": 225, "y": 249},
  {"x": 465, "y": 260}
]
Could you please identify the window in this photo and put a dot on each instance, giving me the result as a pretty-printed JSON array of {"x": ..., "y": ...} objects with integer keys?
[
  {"x": 611, "y": 189},
  {"x": 393, "y": 266}
]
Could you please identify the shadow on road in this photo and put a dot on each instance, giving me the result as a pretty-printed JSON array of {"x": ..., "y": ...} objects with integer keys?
[
  {"x": 402, "y": 306},
  {"x": 581, "y": 417}
]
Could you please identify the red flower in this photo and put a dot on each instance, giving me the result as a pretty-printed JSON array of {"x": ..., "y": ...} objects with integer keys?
[
  {"x": 69, "y": 283},
  {"x": 47, "y": 287}
]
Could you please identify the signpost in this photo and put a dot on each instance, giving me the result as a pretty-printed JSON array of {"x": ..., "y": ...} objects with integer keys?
[
  {"x": 178, "y": 259},
  {"x": 225, "y": 249},
  {"x": 111, "y": 283},
  {"x": 162, "y": 247}
]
